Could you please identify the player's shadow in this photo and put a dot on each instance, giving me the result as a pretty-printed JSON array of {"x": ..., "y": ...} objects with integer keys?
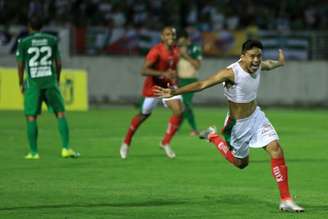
[
  {"x": 237, "y": 199},
  {"x": 242, "y": 200},
  {"x": 316, "y": 208},
  {"x": 295, "y": 160},
  {"x": 131, "y": 156},
  {"x": 232, "y": 200},
  {"x": 150, "y": 203}
]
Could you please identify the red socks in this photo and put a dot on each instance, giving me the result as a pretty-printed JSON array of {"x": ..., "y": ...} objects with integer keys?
[
  {"x": 222, "y": 146},
  {"x": 173, "y": 126},
  {"x": 279, "y": 172},
  {"x": 135, "y": 122},
  {"x": 279, "y": 169}
]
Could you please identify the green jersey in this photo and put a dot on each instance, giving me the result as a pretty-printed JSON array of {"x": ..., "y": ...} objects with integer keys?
[
  {"x": 195, "y": 52},
  {"x": 38, "y": 52}
]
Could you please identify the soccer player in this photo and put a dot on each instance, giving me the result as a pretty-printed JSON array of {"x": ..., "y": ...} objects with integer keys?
[
  {"x": 38, "y": 56},
  {"x": 159, "y": 69},
  {"x": 188, "y": 66},
  {"x": 246, "y": 125}
]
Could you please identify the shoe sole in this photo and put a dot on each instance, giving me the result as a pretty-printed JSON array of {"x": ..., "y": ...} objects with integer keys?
[
  {"x": 76, "y": 155},
  {"x": 291, "y": 210}
]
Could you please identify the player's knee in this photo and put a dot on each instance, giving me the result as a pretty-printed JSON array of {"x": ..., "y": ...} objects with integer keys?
[
  {"x": 274, "y": 149},
  {"x": 179, "y": 111},
  {"x": 30, "y": 118},
  {"x": 60, "y": 114},
  {"x": 279, "y": 152},
  {"x": 188, "y": 106},
  {"x": 143, "y": 116}
]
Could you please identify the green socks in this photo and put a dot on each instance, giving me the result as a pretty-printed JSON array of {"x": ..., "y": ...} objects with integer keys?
[
  {"x": 64, "y": 131},
  {"x": 189, "y": 115},
  {"x": 32, "y": 136}
]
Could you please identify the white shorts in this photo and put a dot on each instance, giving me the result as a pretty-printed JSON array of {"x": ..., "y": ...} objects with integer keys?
[
  {"x": 255, "y": 131},
  {"x": 150, "y": 103}
]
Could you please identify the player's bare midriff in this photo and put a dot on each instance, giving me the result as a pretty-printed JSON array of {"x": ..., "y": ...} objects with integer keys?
[{"x": 241, "y": 110}]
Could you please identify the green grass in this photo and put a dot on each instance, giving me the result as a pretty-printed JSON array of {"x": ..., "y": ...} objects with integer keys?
[{"x": 199, "y": 183}]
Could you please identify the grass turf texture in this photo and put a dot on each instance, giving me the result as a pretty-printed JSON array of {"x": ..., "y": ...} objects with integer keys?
[{"x": 199, "y": 183}]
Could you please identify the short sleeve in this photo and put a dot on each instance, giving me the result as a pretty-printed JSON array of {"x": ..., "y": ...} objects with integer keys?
[
  {"x": 197, "y": 52},
  {"x": 152, "y": 55}
]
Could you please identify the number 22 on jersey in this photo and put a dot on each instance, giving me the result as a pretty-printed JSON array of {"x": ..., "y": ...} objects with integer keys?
[{"x": 40, "y": 61}]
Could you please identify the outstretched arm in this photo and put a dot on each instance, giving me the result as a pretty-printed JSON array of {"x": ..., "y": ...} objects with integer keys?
[
  {"x": 271, "y": 64},
  {"x": 219, "y": 77}
]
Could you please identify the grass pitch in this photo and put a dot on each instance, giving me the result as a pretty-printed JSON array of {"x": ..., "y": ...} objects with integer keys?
[{"x": 199, "y": 183}]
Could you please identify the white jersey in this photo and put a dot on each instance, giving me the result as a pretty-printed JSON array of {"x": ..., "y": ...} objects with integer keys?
[{"x": 245, "y": 86}]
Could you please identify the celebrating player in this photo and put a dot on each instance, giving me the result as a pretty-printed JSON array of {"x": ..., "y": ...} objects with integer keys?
[
  {"x": 38, "y": 54},
  {"x": 246, "y": 125},
  {"x": 159, "y": 69}
]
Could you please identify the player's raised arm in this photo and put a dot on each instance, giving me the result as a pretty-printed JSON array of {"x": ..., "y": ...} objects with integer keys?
[
  {"x": 219, "y": 77},
  {"x": 271, "y": 64}
]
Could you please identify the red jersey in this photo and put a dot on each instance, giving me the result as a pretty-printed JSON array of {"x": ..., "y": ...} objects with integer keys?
[{"x": 162, "y": 59}]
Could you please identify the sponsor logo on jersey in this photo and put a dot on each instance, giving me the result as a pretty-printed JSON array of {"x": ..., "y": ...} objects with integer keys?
[{"x": 40, "y": 42}]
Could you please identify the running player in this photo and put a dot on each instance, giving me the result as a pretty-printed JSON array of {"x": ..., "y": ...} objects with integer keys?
[
  {"x": 159, "y": 69},
  {"x": 188, "y": 66},
  {"x": 246, "y": 125},
  {"x": 38, "y": 56}
]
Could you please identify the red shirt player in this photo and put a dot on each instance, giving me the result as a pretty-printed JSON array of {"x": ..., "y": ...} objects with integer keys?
[
  {"x": 159, "y": 69},
  {"x": 162, "y": 61}
]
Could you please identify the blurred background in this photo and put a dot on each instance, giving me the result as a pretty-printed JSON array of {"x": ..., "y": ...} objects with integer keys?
[{"x": 109, "y": 38}]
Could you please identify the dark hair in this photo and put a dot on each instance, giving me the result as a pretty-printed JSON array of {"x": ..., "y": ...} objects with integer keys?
[
  {"x": 249, "y": 44},
  {"x": 167, "y": 27},
  {"x": 35, "y": 22},
  {"x": 183, "y": 34}
]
